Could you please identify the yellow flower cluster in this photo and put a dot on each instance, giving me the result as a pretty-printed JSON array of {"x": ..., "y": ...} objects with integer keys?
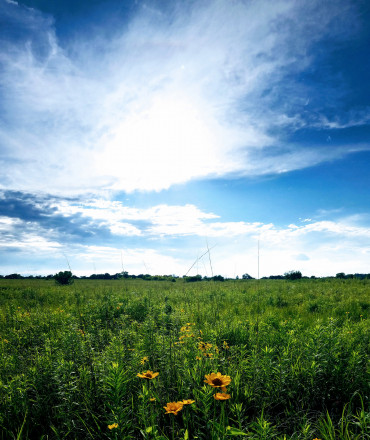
[
  {"x": 171, "y": 407},
  {"x": 114, "y": 425},
  {"x": 147, "y": 375},
  {"x": 206, "y": 347},
  {"x": 175, "y": 407},
  {"x": 144, "y": 359},
  {"x": 187, "y": 332},
  {"x": 218, "y": 380}
]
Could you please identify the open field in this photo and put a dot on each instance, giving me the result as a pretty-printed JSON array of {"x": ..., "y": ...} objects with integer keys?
[{"x": 296, "y": 353}]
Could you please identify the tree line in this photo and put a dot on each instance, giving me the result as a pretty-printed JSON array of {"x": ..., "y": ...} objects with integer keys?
[{"x": 66, "y": 277}]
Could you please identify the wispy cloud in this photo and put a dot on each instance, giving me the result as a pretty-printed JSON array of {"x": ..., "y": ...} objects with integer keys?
[
  {"x": 171, "y": 238},
  {"x": 203, "y": 90}
]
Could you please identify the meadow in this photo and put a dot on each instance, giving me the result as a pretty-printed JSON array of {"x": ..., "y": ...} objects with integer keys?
[{"x": 133, "y": 359}]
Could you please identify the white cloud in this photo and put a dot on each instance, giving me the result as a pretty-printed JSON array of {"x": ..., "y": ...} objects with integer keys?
[
  {"x": 167, "y": 101},
  {"x": 170, "y": 238}
]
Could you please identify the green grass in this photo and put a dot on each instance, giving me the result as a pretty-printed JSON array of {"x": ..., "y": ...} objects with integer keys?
[{"x": 297, "y": 354}]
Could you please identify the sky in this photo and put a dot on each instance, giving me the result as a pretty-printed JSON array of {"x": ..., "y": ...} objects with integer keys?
[{"x": 185, "y": 137}]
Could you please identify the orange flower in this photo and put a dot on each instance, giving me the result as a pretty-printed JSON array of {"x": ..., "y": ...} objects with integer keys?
[
  {"x": 147, "y": 375},
  {"x": 221, "y": 396},
  {"x": 188, "y": 401},
  {"x": 114, "y": 425},
  {"x": 217, "y": 380},
  {"x": 173, "y": 407}
]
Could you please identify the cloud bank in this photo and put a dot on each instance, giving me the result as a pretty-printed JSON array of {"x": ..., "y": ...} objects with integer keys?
[
  {"x": 101, "y": 236},
  {"x": 200, "y": 90}
]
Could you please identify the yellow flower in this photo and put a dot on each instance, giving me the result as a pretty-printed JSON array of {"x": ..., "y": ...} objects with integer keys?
[
  {"x": 198, "y": 358},
  {"x": 114, "y": 425},
  {"x": 153, "y": 399},
  {"x": 217, "y": 380},
  {"x": 144, "y": 359},
  {"x": 147, "y": 375},
  {"x": 188, "y": 401},
  {"x": 221, "y": 396},
  {"x": 173, "y": 407},
  {"x": 317, "y": 439}
]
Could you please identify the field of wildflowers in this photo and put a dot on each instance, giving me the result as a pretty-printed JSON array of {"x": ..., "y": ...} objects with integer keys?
[{"x": 135, "y": 359}]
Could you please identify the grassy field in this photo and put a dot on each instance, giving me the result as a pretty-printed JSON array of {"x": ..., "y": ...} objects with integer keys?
[{"x": 292, "y": 358}]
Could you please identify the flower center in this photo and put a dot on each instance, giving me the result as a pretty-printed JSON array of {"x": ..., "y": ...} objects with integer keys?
[
  {"x": 217, "y": 382},
  {"x": 148, "y": 375}
]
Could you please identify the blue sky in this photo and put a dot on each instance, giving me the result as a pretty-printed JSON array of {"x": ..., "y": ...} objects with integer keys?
[{"x": 135, "y": 134}]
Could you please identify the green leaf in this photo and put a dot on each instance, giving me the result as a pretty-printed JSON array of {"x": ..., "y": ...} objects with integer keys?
[
  {"x": 234, "y": 431},
  {"x": 186, "y": 435}
]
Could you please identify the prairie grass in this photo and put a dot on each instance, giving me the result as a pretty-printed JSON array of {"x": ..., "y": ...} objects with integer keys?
[{"x": 296, "y": 353}]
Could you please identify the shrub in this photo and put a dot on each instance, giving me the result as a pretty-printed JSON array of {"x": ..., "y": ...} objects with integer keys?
[{"x": 64, "y": 278}]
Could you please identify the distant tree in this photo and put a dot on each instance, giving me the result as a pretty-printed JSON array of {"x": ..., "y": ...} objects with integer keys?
[
  {"x": 13, "y": 276},
  {"x": 293, "y": 275},
  {"x": 246, "y": 276},
  {"x": 64, "y": 278},
  {"x": 218, "y": 278},
  {"x": 192, "y": 279},
  {"x": 341, "y": 275}
]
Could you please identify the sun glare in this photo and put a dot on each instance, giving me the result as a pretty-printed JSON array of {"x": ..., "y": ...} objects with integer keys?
[{"x": 167, "y": 141}]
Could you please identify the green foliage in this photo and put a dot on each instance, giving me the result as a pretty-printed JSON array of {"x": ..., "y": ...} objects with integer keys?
[
  {"x": 64, "y": 278},
  {"x": 296, "y": 353},
  {"x": 293, "y": 275}
]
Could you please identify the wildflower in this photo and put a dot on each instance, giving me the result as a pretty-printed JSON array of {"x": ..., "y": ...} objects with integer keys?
[
  {"x": 188, "y": 401},
  {"x": 217, "y": 380},
  {"x": 147, "y": 375},
  {"x": 173, "y": 407},
  {"x": 152, "y": 399},
  {"x": 221, "y": 396},
  {"x": 144, "y": 359},
  {"x": 225, "y": 346},
  {"x": 208, "y": 355},
  {"x": 114, "y": 425},
  {"x": 198, "y": 358}
]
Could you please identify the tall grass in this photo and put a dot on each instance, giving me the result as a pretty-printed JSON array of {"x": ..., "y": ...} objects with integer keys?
[{"x": 296, "y": 353}]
